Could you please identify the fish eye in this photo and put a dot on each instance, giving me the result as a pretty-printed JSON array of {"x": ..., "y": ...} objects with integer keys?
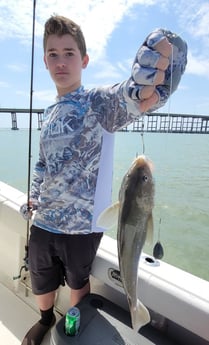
[{"x": 145, "y": 178}]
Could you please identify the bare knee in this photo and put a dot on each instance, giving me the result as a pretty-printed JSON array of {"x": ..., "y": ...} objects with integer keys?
[
  {"x": 77, "y": 295},
  {"x": 46, "y": 301}
]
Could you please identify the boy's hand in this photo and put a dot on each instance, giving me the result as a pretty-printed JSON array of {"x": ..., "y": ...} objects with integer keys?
[
  {"x": 152, "y": 79},
  {"x": 26, "y": 210},
  {"x": 149, "y": 103}
]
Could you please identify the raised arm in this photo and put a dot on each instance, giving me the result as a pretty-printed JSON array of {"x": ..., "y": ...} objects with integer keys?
[{"x": 157, "y": 69}]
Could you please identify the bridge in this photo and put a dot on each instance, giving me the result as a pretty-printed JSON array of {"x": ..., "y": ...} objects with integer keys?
[
  {"x": 171, "y": 123},
  {"x": 13, "y": 113},
  {"x": 151, "y": 122}
]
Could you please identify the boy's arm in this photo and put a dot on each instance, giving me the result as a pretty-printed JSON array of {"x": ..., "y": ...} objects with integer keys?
[
  {"x": 155, "y": 75},
  {"x": 37, "y": 179}
]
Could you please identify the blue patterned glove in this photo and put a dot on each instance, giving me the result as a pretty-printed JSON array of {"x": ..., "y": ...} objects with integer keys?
[{"x": 144, "y": 67}]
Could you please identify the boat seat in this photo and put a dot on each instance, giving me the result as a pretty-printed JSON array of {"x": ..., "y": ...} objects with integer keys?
[{"x": 103, "y": 322}]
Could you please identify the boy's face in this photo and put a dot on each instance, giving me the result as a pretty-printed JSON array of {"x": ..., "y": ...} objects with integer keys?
[{"x": 64, "y": 62}]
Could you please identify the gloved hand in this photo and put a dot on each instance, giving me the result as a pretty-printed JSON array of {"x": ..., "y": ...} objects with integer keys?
[
  {"x": 158, "y": 66},
  {"x": 26, "y": 210}
]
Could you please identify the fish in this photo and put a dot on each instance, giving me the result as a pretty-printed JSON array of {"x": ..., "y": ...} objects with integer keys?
[{"x": 133, "y": 215}]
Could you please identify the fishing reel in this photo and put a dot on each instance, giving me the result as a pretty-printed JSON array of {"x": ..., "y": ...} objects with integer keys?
[{"x": 23, "y": 267}]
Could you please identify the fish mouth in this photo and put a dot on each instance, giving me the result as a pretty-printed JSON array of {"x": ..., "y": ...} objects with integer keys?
[{"x": 141, "y": 161}]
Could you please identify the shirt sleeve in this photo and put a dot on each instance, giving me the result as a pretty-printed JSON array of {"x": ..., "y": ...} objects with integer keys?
[
  {"x": 37, "y": 178},
  {"x": 113, "y": 106}
]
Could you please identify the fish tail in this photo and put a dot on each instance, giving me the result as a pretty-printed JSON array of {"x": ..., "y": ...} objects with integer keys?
[{"x": 139, "y": 316}]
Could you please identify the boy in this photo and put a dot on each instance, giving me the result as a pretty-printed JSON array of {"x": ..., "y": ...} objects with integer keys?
[{"x": 73, "y": 177}]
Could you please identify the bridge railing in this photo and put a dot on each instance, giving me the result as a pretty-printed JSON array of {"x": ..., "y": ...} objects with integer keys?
[
  {"x": 150, "y": 122},
  {"x": 170, "y": 123}
]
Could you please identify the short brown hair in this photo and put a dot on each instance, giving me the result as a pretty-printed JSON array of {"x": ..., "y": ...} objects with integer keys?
[{"x": 59, "y": 25}]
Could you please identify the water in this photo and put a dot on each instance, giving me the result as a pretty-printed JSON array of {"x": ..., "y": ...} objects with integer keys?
[{"x": 182, "y": 187}]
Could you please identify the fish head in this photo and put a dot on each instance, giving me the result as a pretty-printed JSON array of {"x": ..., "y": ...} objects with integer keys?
[{"x": 138, "y": 185}]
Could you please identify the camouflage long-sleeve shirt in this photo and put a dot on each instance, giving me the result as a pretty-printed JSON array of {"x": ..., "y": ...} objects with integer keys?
[{"x": 72, "y": 179}]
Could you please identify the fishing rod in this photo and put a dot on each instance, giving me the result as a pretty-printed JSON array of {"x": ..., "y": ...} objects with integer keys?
[
  {"x": 25, "y": 266},
  {"x": 30, "y": 116}
]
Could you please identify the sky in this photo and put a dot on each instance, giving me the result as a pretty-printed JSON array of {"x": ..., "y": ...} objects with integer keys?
[{"x": 114, "y": 30}]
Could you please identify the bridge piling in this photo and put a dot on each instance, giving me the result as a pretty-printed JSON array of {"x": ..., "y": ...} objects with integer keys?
[{"x": 14, "y": 120}]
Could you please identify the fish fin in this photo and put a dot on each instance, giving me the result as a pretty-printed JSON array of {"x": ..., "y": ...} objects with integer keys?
[
  {"x": 139, "y": 316},
  {"x": 109, "y": 217},
  {"x": 150, "y": 230}
]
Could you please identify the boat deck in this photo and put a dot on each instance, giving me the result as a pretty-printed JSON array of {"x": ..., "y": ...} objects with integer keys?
[{"x": 16, "y": 317}]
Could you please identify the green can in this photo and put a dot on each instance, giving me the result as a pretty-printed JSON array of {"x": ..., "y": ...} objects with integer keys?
[{"x": 72, "y": 321}]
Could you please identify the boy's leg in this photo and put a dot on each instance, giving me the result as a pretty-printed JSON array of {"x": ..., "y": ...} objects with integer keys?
[
  {"x": 78, "y": 254},
  {"x": 40, "y": 258},
  {"x": 77, "y": 295},
  {"x": 46, "y": 301},
  {"x": 46, "y": 305}
]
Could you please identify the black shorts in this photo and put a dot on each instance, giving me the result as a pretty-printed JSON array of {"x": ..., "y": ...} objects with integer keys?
[{"x": 58, "y": 258}]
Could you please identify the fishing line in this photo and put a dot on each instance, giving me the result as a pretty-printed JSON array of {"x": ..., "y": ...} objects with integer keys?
[
  {"x": 170, "y": 91},
  {"x": 169, "y": 105},
  {"x": 158, "y": 251},
  {"x": 142, "y": 136}
]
